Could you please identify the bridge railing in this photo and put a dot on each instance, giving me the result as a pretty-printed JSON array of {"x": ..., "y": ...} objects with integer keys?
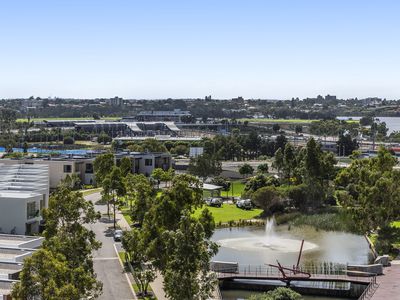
[
  {"x": 370, "y": 290},
  {"x": 316, "y": 271}
]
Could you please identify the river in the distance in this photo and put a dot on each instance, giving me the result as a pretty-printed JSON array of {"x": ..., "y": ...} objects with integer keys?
[{"x": 392, "y": 123}]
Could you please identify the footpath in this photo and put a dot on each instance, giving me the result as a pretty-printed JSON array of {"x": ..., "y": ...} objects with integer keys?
[
  {"x": 389, "y": 283},
  {"x": 157, "y": 284}
]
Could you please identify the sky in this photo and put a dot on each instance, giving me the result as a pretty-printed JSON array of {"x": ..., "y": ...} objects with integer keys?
[{"x": 188, "y": 49}]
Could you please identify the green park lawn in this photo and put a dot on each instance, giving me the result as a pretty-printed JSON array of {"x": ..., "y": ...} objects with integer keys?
[
  {"x": 237, "y": 187},
  {"x": 90, "y": 191},
  {"x": 229, "y": 212}
]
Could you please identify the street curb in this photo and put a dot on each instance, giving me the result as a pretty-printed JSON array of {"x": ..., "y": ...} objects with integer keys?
[{"x": 126, "y": 275}]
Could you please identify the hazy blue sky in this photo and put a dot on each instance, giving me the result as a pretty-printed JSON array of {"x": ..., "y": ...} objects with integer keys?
[{"x": 159, "y": 49}]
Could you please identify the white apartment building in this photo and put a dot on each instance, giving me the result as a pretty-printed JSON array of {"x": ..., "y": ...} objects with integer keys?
[
  {"x": 13, "y": 250},
  {"x": 24, "y": 192},
  {"x": 60, "y": 167}
]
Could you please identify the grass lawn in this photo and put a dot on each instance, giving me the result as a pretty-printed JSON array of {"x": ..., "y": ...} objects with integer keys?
[
  {"x": 126, "y": 213},
  {"x": 238, "y": 188},
  {"x": 396, "y": 224},
  {"x": 91, "y": 191},
  {"x": 229, "y": 212}
]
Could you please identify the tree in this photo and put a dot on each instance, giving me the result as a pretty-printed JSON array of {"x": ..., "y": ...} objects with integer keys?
[
  {"x": 346, "y": 145},
  {"x": 144, "y": 276},
  {"x": 158, "y": 174},
  {"x": 152, "y": 145},
  {"x": 72, "y": 182},
  {"x": 189, "y": 254},
  {"x": 280, "y": 293},
  {"x": 366, "y": 121},
  {"x": 139, "y": 193},
  {"x": 69, "y": 140},
  {"x": 262, "y": 168},
  {"x": 125, "y": 165},
  {"x": 298, "y": 129},
  {"x": 204, "y": 166},
  {"x": 276, "y": 127},
  {"x": 63, "y": 268},
  {"x": 220, "y": 181},
  {"x": 25, "y": 147},
  {"x": 102, "y": 166},
  {"x": 104, "y": 138},
  {"x": 45, "y": 276},
  {"x": 369, "y": 189},
  {"x": 246, "y": 170},
  {"x": 267, "y": 198},
  {"x": 114, "y": 184}
]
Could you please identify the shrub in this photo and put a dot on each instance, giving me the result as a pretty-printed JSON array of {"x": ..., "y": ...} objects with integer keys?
[{"x": 69, "y": 140}]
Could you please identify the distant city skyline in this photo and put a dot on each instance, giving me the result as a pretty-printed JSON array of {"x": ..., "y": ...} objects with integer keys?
[{"x": 190, "y": 49}]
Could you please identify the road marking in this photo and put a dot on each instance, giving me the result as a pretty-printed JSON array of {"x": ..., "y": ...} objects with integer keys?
[{"x": 126, "y": 275}]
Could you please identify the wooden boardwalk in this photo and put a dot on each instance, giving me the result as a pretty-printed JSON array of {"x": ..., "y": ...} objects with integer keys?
[
  {"x": 389, "y": 284},
  {"x": 299, "y": 277}
]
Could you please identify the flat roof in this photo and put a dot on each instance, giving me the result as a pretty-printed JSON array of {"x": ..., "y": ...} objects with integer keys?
[
  {"x": 158, "y": 138},
  {"x": 6, "y": 286},
  {"x": 211, "y": 187},
  {"x": 17, "y": 194}
]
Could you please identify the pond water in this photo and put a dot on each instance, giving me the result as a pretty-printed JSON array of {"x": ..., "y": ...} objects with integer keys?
[
  {"x": 261, "y": 245},
  {"x": 257, "y": 246}
]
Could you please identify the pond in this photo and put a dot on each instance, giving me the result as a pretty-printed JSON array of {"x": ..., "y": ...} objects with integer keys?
[
  {"x": 256, "y": 246},
  {"x": 263, "y": 245}
]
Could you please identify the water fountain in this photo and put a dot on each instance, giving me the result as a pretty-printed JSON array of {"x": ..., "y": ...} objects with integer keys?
[{"x": 269, "y": 241}]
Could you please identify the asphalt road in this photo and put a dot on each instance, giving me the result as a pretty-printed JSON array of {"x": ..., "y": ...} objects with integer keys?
[{"x": 106, "y": 263}]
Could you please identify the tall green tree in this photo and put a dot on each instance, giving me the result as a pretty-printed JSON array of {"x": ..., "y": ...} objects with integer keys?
[
  {"x": 63, "y": 269},
  {"x": 189, "y": 254},
  {"x": 125, "y": 165},
  {"x": 204, "y": 166},
  {"x": 369, "y": 189},
  {"x": 102, "y": 166},
  {"x": 114, "y": 184},
  {"x": 246, "y": 170},
  {"x": 139, "y": 192}
]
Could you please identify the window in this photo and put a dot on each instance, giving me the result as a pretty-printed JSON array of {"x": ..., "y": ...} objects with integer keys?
[
  {"x": 31, "y": 210},
  {"x": 89, "y": 169},
  {"x": 42, "y": 204},
  {"x": 148, "y": 162},
  {"x": 67, "y": 169}
]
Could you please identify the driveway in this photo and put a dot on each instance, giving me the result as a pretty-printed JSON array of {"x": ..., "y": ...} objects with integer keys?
[{"x": 106, "y": 263}]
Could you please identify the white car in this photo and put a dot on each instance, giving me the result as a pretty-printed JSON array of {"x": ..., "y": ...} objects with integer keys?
[
  {"x": 244, "y": 204},
  {"x": 118, "y": 235}
]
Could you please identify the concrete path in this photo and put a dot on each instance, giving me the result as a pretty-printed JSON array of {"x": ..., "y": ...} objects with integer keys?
[
  {"x": 389, "y": 283},
  {"x": 106, "y": 263}
]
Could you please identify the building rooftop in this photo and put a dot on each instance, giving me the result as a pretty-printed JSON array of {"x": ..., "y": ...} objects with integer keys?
[
  {"x": 19, "y": 241},
  {"x": 17, "y": 194}
]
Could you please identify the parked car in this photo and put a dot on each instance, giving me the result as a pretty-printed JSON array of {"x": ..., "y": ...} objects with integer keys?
[
  {"x": 244, "y": 204},
  {"x": 215, "y": 202},
  {"x": 118, "y": 235}
]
